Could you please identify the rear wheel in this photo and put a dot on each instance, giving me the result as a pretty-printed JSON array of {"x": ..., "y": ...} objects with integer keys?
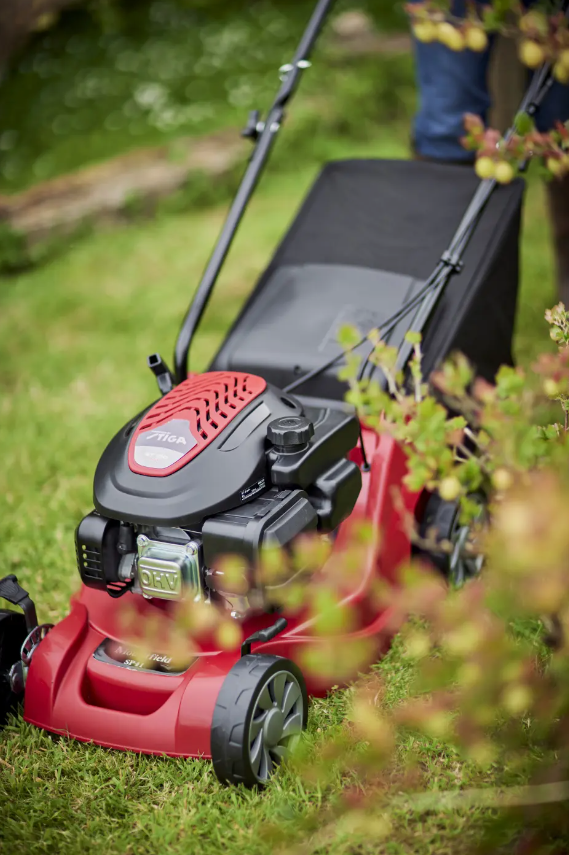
[
  {"x": 260, "y": 714},
  {"x": 441, "y": 523},
  {"x": 13, "y": 633}
]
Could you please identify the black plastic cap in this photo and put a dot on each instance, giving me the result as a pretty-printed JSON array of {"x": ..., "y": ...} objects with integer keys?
[{"x": 290, "y": 432}]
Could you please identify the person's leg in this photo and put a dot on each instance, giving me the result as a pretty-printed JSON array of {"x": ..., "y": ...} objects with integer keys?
[{"x": 450, "y": 84}]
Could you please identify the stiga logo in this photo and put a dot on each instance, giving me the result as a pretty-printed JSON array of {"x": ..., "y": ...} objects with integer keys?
[
  {"x": 166, "y": 437},
  {"x": 165, "y": 445}
]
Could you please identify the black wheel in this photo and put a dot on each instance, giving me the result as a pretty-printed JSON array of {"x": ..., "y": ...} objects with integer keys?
[
  {"x": 13, "y": 633},
  {"x": 442, "y": 520},
  {"x": 260, "y": 713}
]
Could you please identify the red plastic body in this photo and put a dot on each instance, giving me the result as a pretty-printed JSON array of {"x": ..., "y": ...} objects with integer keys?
[
  {"x": 207, "y": 402},
  {"x": 70, "y": 692}
]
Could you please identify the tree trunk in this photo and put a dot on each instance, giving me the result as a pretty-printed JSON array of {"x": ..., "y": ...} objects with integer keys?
[
  {"x": 508, "y": 79},
  {"x": 18, "y": 18}
]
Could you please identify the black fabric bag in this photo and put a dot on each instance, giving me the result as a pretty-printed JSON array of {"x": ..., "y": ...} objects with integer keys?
[{"x": 366, "y": 238}]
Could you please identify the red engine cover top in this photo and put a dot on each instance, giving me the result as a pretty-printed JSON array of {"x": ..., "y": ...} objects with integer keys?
[{"x": 188, "y": 419}]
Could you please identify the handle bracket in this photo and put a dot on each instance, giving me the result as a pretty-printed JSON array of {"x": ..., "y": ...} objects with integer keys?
[{"x": 264, "y": 635}]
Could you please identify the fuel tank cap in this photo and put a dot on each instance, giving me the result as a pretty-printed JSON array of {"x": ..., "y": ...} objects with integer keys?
[{"x": 290, "y": 433}]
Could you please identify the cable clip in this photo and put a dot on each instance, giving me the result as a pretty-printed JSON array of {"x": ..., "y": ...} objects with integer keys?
[
  {"x": 285, "y": 70},
  {"x": 455, "y": 262}
]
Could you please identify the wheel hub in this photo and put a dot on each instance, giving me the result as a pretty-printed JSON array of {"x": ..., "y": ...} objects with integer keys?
[
  {"x": 276, "y": 723},
  {"x": 273, "y": 727}
]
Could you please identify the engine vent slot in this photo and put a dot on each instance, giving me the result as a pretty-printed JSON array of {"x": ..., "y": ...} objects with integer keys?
[{"x": 90, "y": 560}]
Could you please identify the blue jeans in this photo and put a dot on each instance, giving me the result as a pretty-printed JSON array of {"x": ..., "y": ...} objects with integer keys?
[{"x": 452, "y": 84}]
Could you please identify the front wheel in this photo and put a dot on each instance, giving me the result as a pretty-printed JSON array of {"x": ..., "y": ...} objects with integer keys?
[
  {"x": 260, "y": 713},
  {"x": 13, "y": 633}
]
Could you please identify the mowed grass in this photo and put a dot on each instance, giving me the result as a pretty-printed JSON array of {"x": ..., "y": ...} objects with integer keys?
[{"x": 74, "y": 336}]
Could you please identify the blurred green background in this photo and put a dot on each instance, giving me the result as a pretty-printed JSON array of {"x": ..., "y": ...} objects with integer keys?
[{"x": 110, "y": 75}]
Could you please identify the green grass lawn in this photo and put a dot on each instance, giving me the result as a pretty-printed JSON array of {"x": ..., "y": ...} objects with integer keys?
[{"x": 74, "y": 335}]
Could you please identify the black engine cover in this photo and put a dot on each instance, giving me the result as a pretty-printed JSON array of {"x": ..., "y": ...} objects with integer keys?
[{"x": 231, "y": 470}]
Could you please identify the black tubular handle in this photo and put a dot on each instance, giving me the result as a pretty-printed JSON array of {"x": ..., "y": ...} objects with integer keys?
[{"x": 264, "y": 145}]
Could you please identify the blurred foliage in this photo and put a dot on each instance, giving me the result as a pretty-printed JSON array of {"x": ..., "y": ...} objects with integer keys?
[
  {"x": 498, "y": 433},
  {"x": 366, "y": 90},
  {"x": 14, "y": 255},
  {"x": 110, "y": 76},
  {"x": 543, "y": 37},
  {"x": 485, "y": 687}
]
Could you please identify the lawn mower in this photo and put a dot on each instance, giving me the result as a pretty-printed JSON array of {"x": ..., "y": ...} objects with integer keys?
[{"x": 260, "y": 450}]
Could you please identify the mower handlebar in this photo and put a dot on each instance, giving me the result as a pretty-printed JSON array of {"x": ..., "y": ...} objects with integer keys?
[{"x": 265, "y": 140}]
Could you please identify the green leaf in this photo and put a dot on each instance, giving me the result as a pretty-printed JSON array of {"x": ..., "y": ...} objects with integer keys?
[
  {"x": 524, "y": 124},
  {"x": 348, "y": 336},
  {"x": 491, "y": 20},
  {"x": 457, "y": 423},
  {"x": 470, "y": 509},
  {"x": 470, "y": 474},
  {"x": 413, "y": 337},
  {"x": 551, "y": 431}
]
